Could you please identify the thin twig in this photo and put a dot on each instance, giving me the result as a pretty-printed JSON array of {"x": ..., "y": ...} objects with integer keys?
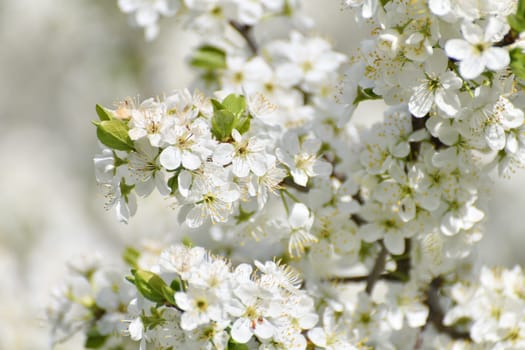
[
  {"x": 377, "y": 270},
  {"x": 436, "y": 314},
  {"x": 246, "y": 33}
]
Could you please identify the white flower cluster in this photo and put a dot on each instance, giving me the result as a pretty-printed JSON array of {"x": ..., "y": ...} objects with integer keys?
[
  {"x": 204, "y": 15},
  {"x": 492, "y": 309},
  {"x": 215, "y": 305},
  {"x": 93, "y": 300},
  {"x": 398, "y": 205}
]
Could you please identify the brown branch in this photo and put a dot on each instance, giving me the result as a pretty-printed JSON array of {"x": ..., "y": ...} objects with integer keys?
[
  {"x": 246, "y": 33},
  {"x": 377, "y": 270},
  {"x": 436, "y": 313}
]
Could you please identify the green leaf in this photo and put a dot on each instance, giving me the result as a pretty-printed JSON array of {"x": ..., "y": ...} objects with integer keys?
[
  {"x": 517, "y": 21},
  {"x": 153, "y": 288},
  {"x": 242, "y": 124},
  {"x": 176, "y": 285},
  {"x": 232, "y": 345},
  {"x": 222, "y": 124},
  {"x": 173, "y": 183},
  {"x": 94, "y": 339},
  {"x": 217, "y": 106},
  {"x": 114, "y": 134},
  {"x": 364, "y": 95},
  {"x": 235, "y": 104},
  {"x": 103, "y": 114},
  {"x": 517, "y": 63},
  {"x": 243, "y": 215},
  {"x": 209, "y": 57},
  {"x": 131, "y": 257}
]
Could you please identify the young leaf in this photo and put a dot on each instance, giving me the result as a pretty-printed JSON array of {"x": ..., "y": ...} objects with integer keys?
[
  {"x": 131, "y": 257},
  {"x": 242, "y": 124},
  {"x": 517, "y": 63},
  {"x": 114, "y": 134},
  {"x": 517, "y": 21},
  {"x": 153, "y": 288},
  {"x": 103, "y": 114},
  {"x": 232, "y": 345},
  {"x": 94, "y": 339},
  {"x": 235, "y": 104},
  {"x": 364, "y": 95},
  {"x": 222, "y": 124},
  {"x": 209, "y": 57}
]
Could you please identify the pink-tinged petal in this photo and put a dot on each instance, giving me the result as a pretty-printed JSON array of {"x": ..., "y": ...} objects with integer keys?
[
  {"x": 471, "y": 67},
  {"x": 170, "y": 158},
  {"x": 458, "y": 49},
  {"x": 496, "y": 58}
]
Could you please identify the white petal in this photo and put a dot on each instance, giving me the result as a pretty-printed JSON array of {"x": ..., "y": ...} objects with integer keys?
[
  {"x": 458, "y": 49},
  {"x": 395, "y": 243},
  {"x": 495, "y": 136},
  {"x": 322, "y": 168},
  {"x": 421, "y": 101},
  {"x": 240, "y": 167},
  {"x": 471, "y": 67},
  {"x": 417, "y": 315},
  {"x": 439, "y": 7},
  {"x": 240, "y": 331},
  {"x": 146, "y": 16},
  {"x": 195, "y": 217},
  {"x": 496, "y": 58},
  {"x": 190, "y": 160},
  {"x": 170, "y": 158},
  {"x": 317, "y": 336},
  {"x": 223, "y": 154},
  {"x": 299, "y": 177},
  {"x": 448, "y": 101},
  {"x": 299, "y": 215}
]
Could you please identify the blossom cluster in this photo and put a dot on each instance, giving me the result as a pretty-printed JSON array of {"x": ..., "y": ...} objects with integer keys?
[
  {"x": 393, "y": 210},
  {"x": 214, "y": 304},
  {"x": 204, "y": 15},
  {"x": 492, "y": 309}
]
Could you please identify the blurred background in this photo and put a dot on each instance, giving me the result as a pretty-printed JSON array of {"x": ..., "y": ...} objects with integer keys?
[{"x": 58, "y": 58}]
